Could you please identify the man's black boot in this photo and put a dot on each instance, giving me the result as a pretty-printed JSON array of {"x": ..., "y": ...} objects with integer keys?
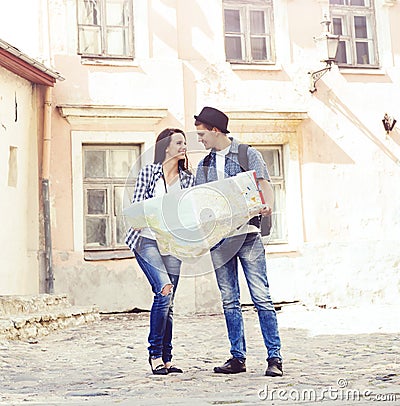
[
  {"x": 274, "y": 367},
  {"x": 232, "y": 366}
]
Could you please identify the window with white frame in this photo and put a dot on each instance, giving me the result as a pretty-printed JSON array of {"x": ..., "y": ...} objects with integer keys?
[
  {"x": 105, "y": 28},
  {"x": 273, "y": 157},
  {"x": 107, "y": 183},
  {"x": 249, "y": 31},
  {"x": 354, "y": 21}
]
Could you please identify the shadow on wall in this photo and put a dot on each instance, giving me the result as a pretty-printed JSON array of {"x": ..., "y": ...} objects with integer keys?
[
  {"x": 336, "y": 105},
  {"x": 395, "y": 135},
  {"x": 319, "y": 147},
  {"x": 159, "y": 26}
]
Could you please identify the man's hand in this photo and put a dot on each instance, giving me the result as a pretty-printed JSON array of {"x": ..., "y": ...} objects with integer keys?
[{"x": 266, "y": 211}]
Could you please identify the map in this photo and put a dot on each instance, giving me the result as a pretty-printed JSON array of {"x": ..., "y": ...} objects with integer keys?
[{"x": 189, "y": 222}]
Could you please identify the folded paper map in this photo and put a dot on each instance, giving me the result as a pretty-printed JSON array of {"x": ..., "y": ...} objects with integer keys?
[{"x": 189, "y": 222}]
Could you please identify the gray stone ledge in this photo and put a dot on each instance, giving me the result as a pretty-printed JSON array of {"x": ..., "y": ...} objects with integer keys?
[{"x": 28, "y": 317}]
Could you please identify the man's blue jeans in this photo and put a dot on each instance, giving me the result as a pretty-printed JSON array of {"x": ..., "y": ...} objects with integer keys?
[
  {"x": 249, "y": 249},
  {"x": 160, "y": 270}
]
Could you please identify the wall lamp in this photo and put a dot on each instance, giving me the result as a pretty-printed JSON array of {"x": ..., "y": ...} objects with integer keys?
[
  {"x": 327, "y": 45},
  {"x": 388, "y": 123}
]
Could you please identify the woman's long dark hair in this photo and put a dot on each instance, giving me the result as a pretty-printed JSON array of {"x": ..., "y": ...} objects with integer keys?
[{"x": 162, "y": 143}]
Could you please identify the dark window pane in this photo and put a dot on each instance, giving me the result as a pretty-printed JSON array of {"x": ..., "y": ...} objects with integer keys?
[
  {"x": 116, "y": 12},
  {"x": 341, "y": 2},
  {"x": 117, "y": 41},
  {"x": 360, "y": 27},
  {"x": 279, "y": 229},
  {"x": 362, "y": 53},
  {"x": 96, "y": 232},
  {"x": 341, "y": 56},
  {"x": 89, "y": 40},
  {"x": 232, "y": 21},
  {"x": 257, "y": 22},
  {"x": 271, "y": 158},
  {"x": 97, "y": 201},
  {"x": 122, "y": 160},
  {"x": 258, "y": 49},
  {"x": 233, "y": 46},
  {"x": 337, "y": 26},
  {"x": 357, "y": 2},
  {"x": 121, "y": 229},
  {"x": 119, "y": 194},
  {"x": 89, "y": 12},
  {"x": 95, "y": 164}
]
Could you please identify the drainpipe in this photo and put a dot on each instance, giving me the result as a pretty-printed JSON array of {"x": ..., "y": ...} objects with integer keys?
[{"x": 45, "y": 189}]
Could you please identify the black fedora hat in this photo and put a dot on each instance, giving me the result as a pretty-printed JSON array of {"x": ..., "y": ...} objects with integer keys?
[{"x": 214, "y": 117}]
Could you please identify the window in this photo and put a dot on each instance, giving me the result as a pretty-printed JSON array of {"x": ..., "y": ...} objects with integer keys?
[
  {"x": 273, "y": 158},
  {"x": 354, "y": 21},
  {"x": 105, "y": 28},
  {"x": 248, "y": 31},
  {"x": 105, "y": 188}
]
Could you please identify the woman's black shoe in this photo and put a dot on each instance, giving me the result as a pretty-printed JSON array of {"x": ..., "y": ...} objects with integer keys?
[
  {"x": 159, "y": 369},
  {"x": 176, "y": 370}
]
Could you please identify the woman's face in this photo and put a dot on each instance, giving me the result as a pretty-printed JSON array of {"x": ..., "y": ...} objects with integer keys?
[{"x": 177, "y": 147}]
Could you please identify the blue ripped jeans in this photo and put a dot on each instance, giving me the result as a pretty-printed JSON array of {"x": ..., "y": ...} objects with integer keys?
[
  {"x": 160, "y": 270},
  {"x": 249, "y": 249}
]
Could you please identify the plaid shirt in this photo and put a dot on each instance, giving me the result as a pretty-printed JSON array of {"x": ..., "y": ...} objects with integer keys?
[
  {"x": 144, "y": 189},
  {"x": 232, "y": 167}
]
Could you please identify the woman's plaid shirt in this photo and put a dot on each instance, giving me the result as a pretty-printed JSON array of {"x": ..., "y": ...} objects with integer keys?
[{"x": 144, "y": 189}]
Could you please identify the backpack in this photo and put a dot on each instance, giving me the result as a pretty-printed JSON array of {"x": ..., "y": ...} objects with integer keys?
[{"x": 264, "y": 223}]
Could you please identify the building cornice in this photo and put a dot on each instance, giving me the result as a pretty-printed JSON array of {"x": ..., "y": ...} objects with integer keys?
[
  {"x": 263, "y": 120},
  {"x": 87, "y": 114},
  {"x": 389, "y": 2}
]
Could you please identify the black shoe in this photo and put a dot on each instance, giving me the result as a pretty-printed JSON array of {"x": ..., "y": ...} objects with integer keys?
[
  {"x": 274, "y": 367},
  {"x": 173, "y": 369},
  {"x": 159, "y": 369},
  {"x": 232, "y": 366}
]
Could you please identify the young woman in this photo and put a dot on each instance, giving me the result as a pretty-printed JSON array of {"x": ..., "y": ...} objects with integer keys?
[{"x": 169, "y": 172}]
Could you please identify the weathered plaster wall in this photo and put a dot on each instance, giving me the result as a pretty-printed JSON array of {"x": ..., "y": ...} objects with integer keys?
[{"x": 19, "y": 231}]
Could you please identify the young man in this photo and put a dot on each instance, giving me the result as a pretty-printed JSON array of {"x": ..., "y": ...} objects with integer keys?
[{"x": 244, "y": 244}]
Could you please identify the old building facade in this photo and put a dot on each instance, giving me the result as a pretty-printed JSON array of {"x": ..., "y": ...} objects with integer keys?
[{"x": 134, "y": 67}]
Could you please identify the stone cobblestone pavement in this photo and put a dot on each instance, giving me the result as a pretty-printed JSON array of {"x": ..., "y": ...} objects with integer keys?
[{"x": 330, "y": 356}]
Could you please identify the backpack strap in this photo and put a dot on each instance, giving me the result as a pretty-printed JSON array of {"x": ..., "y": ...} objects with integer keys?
[
  {"x": 206, "y": 164},
  {"x": 243, "y": 158}
]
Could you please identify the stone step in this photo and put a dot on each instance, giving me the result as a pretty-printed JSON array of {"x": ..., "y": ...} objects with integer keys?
[
  {"x": 10, "y": 304},
  {"x": 29, "y": 317}
]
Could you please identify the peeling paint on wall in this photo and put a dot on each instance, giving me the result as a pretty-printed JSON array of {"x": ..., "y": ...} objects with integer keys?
[{"x": 12, "y": 167}]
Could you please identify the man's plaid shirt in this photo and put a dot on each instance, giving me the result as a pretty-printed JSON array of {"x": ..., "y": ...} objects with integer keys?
[
  {"x": 144, "y": 189},
  {"x": 232, "y": 166}
]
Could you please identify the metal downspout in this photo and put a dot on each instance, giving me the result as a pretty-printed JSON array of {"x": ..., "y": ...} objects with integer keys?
[{"x": 45, "y": 189}]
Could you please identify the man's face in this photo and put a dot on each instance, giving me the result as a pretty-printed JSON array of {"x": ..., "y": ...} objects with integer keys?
[{"x": 206, "y": 137}]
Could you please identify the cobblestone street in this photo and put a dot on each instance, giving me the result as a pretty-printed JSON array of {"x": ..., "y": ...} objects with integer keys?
[{"x": 106, "y": 362}]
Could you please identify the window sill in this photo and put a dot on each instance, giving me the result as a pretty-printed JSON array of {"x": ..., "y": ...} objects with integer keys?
[
  {"x": 107, "y": 255},
  {"x": 362, "y": 71},
  {"x": 253, "y": 67},
  {"x": 108, "y": 62}
]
